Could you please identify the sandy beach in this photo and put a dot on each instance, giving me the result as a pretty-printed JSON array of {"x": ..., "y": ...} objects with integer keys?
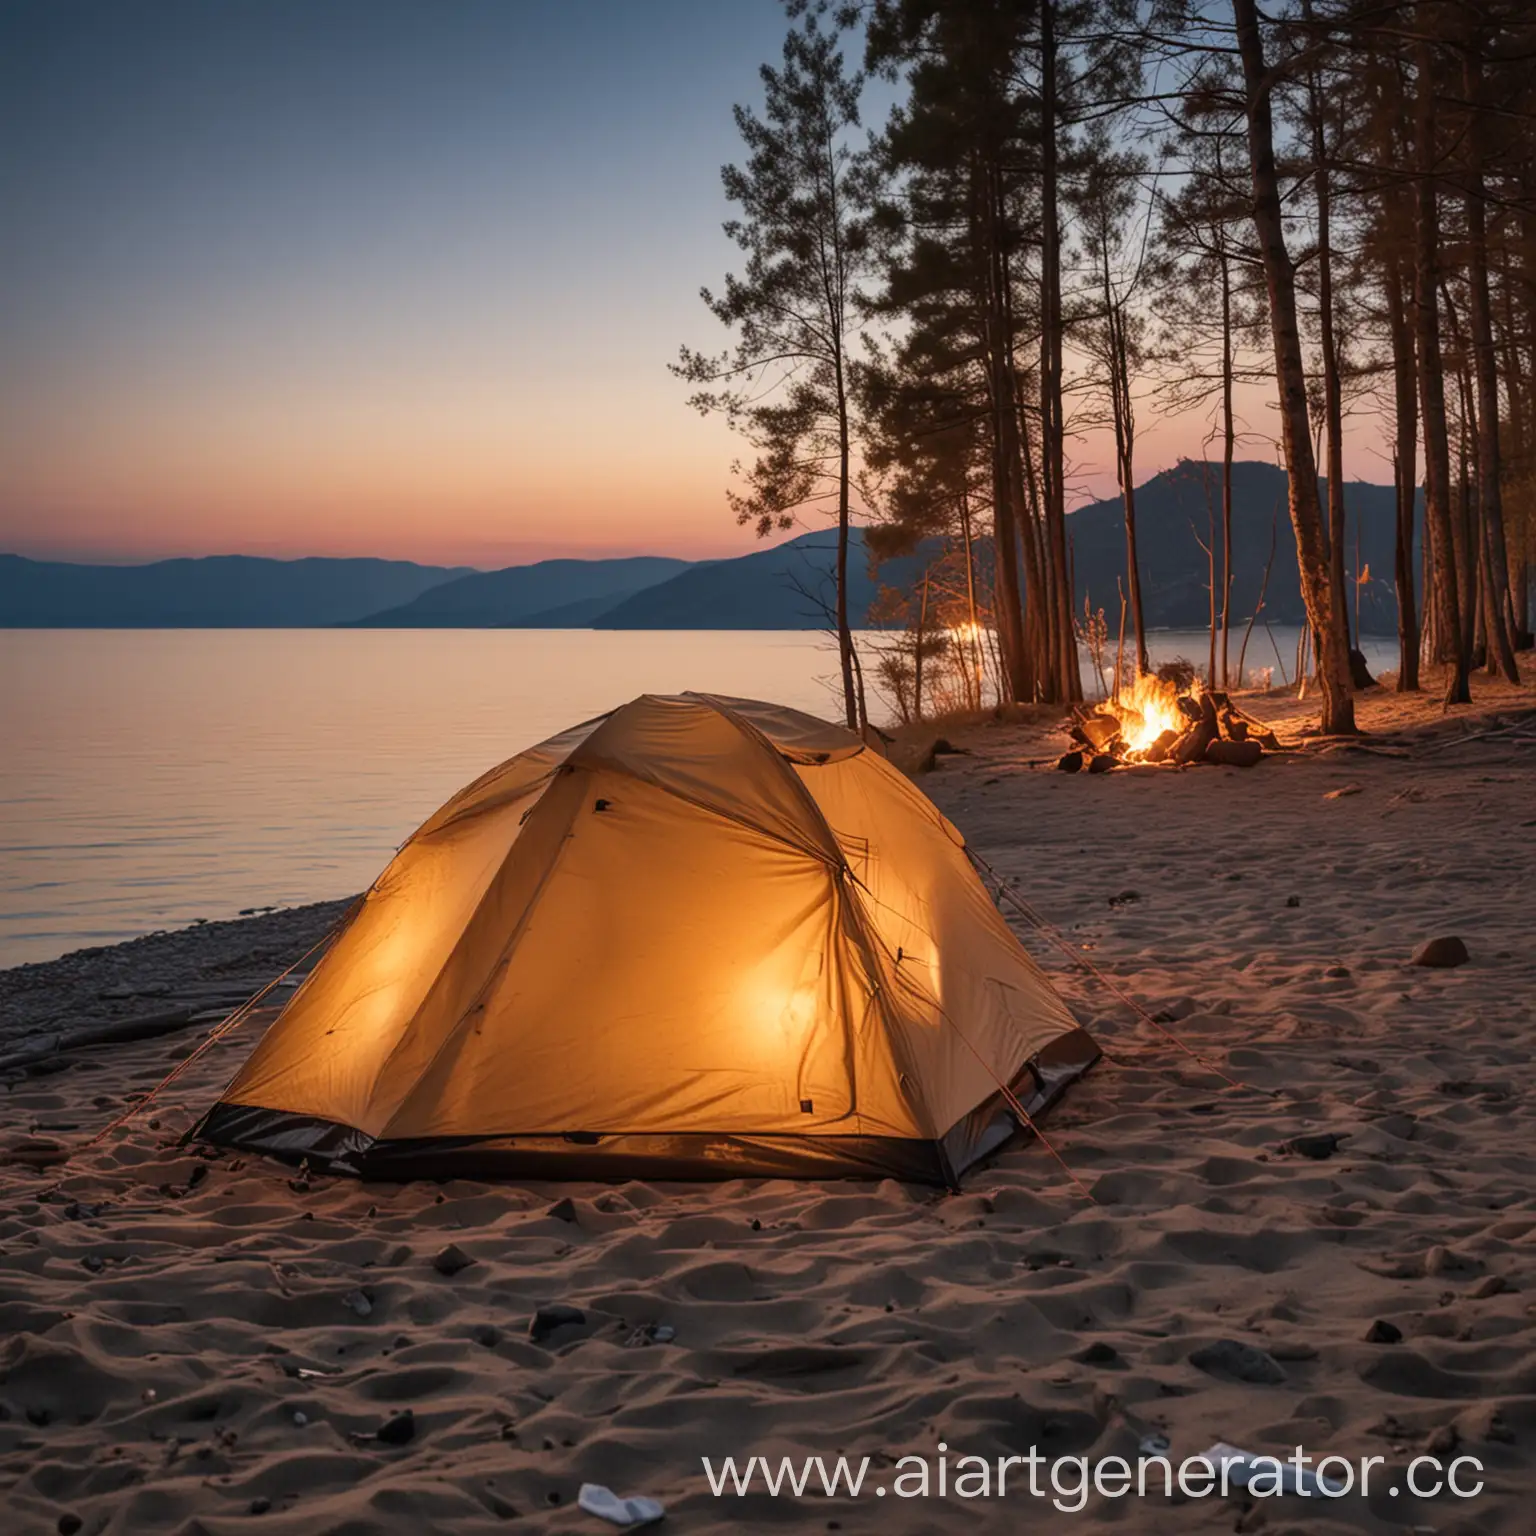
[{"x": 195, "y": 1343}]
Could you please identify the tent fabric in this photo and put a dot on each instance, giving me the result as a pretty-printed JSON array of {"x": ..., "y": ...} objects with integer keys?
[{"x": 697, "y": 937}]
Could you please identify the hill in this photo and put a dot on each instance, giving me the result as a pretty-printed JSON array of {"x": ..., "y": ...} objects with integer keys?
[
  {"x": 218, "y": 592},
  {"x": 787, "y": 587},
  {"x": 550, "y": 594},
  {"x": 790, "y": 586},
  {"x": 1173, "y": 505}
]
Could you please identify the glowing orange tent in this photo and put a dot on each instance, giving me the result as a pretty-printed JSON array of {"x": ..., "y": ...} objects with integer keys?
[{"x": 698, "y": 937}]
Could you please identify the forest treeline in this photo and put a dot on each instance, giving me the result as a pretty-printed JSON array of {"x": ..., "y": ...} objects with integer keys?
[{"x": 1072, "y": 215}]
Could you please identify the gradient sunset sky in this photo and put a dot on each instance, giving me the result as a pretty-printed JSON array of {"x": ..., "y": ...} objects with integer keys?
[{"x": 298, "y": 277}]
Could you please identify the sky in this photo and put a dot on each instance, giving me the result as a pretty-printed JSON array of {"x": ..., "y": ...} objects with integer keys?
[{"x": 384, "y": 277}]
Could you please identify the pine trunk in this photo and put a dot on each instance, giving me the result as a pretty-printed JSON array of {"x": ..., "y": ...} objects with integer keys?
[
  {"x": 1405, "y": 480},
  {"x": 1333, "y": 402},
  {"x": 1338, "y": 715},
  {"x": 1228, "y": 446},
  {"x": 1439, "y": 520},
  {"x": 1068, "y": 680},
  {"x": 1501, "y": 648}
]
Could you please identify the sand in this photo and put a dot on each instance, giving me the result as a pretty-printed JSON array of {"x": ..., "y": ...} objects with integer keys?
[{"x": 199, "y": 1343}]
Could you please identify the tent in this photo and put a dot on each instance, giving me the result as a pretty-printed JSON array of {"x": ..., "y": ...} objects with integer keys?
[{"x": 698, "y": 937}]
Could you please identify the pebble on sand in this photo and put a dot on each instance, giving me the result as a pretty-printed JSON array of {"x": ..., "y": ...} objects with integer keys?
[
  {"x": 1441, "y": 954},
  {"x": 450, "y": 1260},
  {"x": 398, "y": 1429},
  {"x": 1383, "y": 1332},
  {"x": 1238, "y": 1362},
  {"x": 550, "y": 1319},
  {"x": 1318, "y": 1148}
]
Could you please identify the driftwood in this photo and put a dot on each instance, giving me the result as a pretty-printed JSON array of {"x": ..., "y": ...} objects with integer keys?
[{"x": 58, "y": 1047}]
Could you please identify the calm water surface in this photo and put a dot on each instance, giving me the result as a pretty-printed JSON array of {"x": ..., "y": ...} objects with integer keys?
[{"x": 149, "y": 778}]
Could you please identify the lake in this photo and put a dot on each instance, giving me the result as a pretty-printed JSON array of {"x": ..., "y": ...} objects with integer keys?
[{"x": 149, "y": 778}]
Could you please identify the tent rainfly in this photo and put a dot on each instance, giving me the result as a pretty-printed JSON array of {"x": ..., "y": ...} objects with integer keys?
[{"x": 698, "y": 937}]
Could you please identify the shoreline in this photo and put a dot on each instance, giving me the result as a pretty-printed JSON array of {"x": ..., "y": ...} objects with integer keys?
[{"x": 196, "y": 1338}]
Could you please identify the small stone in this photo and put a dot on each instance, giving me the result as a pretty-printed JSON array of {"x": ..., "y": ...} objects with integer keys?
[
  {"x": 1437, "y": 1261},
  {"x": 1441, "y": 954},
  {"x": 1336, "y": 973},
  {"x": 358, "y": 1302},
  {"x": 93, "y": 1262},
  {"x": 1489, "y": 1285},
  {"x": 1293, "y": 901},
  {"x": 563, "y": 1210},
  {"x": 1099, "y": 1353},
  {"x": 1238, "y": 1361},
  {"x": 757, "y": 1225},
  {"x": 486, "y": 1335},
  {"x": 260, "y": 1505},
  {"x": 1383, "y": 1332},
  {"x": 550, "y": 1319},
  {"x": 1318, "y": 1148},
  {"x": 69, "y": 1524},
  {"x": 148, "y": 1395},
  {"x": 399, "y": 1429},
  {"x": 300, "y": 1418},
  {"x": 450, "y": 1260},
  {"x": 664, "y": 1333}
]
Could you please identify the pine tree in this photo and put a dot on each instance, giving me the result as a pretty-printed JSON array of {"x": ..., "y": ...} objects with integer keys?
[{"x": 804, "y": 194}]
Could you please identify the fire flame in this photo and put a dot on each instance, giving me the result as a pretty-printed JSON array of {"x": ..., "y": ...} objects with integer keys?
[{"x": 1149, "y": 708}]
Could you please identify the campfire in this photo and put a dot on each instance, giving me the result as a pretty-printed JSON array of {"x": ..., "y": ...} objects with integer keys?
[{"x": 1157, "y": 722}]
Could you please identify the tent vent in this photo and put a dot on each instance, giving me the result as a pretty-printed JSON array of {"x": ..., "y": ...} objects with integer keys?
[
  {"x": 806, "y": 1107},
  {"x": 601, "y": 805}
]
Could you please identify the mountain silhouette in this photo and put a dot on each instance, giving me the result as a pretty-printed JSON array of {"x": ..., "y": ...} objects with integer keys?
[
  {"x": 787, "y": 586},
  {"x": 551, "y": 594},
  {"x": 219, "y": 591},
  {"x": 1173, "y": 506}
]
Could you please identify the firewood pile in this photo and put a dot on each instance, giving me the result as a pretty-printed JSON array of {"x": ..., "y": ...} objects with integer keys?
[{"x": 1205, "y": 727}]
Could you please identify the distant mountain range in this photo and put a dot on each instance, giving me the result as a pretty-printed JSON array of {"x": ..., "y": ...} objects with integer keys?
[
  {"x": 1173, "y": 506},
  {"x": 220, "y": 592},
  {"x": 552, "y": 594},
  {"x": 786, "y": 587}
]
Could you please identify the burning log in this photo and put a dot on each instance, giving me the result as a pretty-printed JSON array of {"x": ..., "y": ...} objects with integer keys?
[
  {"x": 1099, "y": 731},
  {"x": 1159, "y": 724},
  {"x": 1190, "y": 747},
  {"x": 1234, "y": 754}
]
